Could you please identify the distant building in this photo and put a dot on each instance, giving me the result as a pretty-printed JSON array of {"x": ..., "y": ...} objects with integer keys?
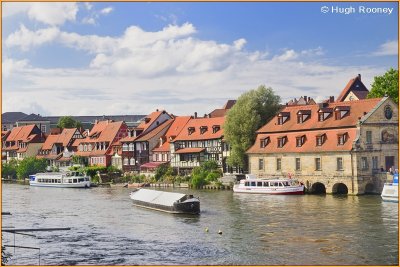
[
  {"x": 41, "y": 122},
  {"x": 9, "y": 120},
  {"x": 221, "y": 112},
  {"x": 22, "y": 142}
]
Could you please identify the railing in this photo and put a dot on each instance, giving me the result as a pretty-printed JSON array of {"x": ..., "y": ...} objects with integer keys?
[{"x": 187, "y": 164}]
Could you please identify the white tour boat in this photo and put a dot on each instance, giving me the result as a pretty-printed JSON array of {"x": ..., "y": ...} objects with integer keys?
[
  {"x": 390, "y": 191},
  {"x": 73, "y": 179},
  {"x": 280, "y": 186}
]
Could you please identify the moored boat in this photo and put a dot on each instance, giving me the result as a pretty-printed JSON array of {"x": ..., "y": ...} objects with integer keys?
[
  {"x": 280, "y": 186},
  {"x": 390, "y": 191},
  {"x": 72, "y": 179},
  {"x": 170, "y": 202}
]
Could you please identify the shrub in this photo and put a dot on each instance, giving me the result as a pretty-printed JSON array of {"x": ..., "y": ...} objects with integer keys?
[
  {"x": 9, "y": 169},
  {"x": 30, "y": 165}
]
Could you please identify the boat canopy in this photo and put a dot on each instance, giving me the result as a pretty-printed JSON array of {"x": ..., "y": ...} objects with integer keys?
[{"x": 156, "y": 197}]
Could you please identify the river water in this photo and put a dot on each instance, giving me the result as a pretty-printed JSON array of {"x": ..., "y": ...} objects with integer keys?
[{"x": 106, "y": 229}]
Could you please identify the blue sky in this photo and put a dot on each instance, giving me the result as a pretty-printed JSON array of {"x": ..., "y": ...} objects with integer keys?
[{"x": 129, "y": 58}]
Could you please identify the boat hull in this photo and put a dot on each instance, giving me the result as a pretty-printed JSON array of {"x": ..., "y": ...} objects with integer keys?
[
  {"x": 80, "y": 185},
  {"x": 390, "y": 193},
  {"x": 180, "y": 208}
]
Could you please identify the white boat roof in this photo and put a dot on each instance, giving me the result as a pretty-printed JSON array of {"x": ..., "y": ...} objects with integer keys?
[{"x": 156, "y": 197}]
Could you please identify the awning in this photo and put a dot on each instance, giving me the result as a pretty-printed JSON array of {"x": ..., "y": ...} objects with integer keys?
[
  {"x": 189, "y": 150},
  {"x": 152, "y": 165}
]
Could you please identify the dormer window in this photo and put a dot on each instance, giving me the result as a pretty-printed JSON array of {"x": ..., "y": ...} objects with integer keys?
[
  {"x": 147, "y": 120},
  {"x": 324, "y": 113},
  {"x": 300, "y": 140},
  {"x": 203, "y": 129},
  {"x": 342, "y": 138},
  {"x": 283, "y": 117},
  {"x": 341, "y": 112},
  {"x": 320, "y": 139},
  {"x": 282, "y": 141},
  {"x": 264, "y": 142},
  {"x": 303, "y": 115},
  {"x": 190, "y": 130},
  {"x": 216, "y": 128}
]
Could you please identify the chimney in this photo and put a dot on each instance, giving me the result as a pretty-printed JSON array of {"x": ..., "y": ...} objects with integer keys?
[
  {"x": 305, "y": 98},
  {"x": 359, "y": 76},
  {"x": 195, "y": 115},
  {"x": 156, "y": 110},
  {"x": 205, "y": 115},
  {"x": 331, "y": 99}
]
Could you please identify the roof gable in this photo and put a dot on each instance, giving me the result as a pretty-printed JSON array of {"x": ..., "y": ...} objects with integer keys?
[{"x": 356, "y": 86}]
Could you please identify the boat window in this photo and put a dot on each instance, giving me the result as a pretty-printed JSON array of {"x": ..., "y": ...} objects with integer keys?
[
  {"x": 276, "y": 184},
  {"x": 75, "y": 181},
  {"x": 68, "y": 174},
  {"x": 253, "y": 183},
  {"x": 246, "y": 184},
  {"x": 70, "y": 181},
  {"x": 259, "y": 183},
  {"x": 87, "y": 179},
  {"x": 280, "y": 184},
  {"x": 81, "y": 179},
  {"x": 266, "y": 184},
  {"x": 286, "y": 183},
  {"x": 39, "y": 180}
]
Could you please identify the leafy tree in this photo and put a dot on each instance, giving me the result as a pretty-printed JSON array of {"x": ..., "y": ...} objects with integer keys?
[
  {"x": 388, "y": 84},
  {"x": 9, "y": 169},
  {"x": 252, "y": 110},
  {"x": 68, "y": 122},
  {"x": 81, "y": 160},
  {"x": 207, "y": 172},
  {"x": 30, "y": 165}
]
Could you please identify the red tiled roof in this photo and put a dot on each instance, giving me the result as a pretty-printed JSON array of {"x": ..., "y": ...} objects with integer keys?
[
  {"x": 150, "y": 119},
  {"x": 163, "y": 148},
  {"x": 154, "y": 132},
  {"x": 173, "y": 131},
  {"x": 50, "y": 141},
  {"x": 350, "y": 87},
  {"x": 63, "y": 138},
  {"x": 105, "y": 130},
  {"x": 357, "y": 109},
  {"x": 199, "y": 122},
  {"x": 20, "y": 133},
  {"x": 218, "y": 113},
  {"x": 190, "y": 150},
  {"x": 330, "y": 144}
]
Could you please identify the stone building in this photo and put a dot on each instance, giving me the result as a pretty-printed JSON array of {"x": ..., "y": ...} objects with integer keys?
[{"x": 346, "y": 146}]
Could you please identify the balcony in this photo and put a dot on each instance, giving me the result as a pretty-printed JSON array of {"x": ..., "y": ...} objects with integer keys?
[{"x": 185, "y": 164}]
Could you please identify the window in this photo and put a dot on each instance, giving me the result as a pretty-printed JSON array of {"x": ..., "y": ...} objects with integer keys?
[
  {"x": 264, "y": 142},
  {"x": 131, "y": 147},
  {"x": 320, "y": 139},
  {"x": 203, "y": 129},
  {"x": 283, "y": 117},
  {"x": 300, "y": 140},
  {"x": 278, "y": 164},
  {"x": 342, "y": 138},
  {"x": 43, "y": 128},
  {"x": 132, "y": 161},
  {"x": 364, "y": 163},
  {"x": 126, "y": 161},
  {"x": 80, "y": 147},
  {"x": 303, "y": 115},
  {"x": 374, "y": 162},
  {"x": 298, "y": 165},
  {"x": 261, "y": 164},
  {"x": 190, "y": 130},
  {"x": 125, "y": 147},
  {"x": 216, "y": 128},
  {"x": 317, "y": 164},
  {"x": 341, "y": 112},
  {"x": 369, "y": 137},
  {"x": 321, "y": 116},
  {"x": 282, "y": 141},
  {"x": 339, "y": 163}
]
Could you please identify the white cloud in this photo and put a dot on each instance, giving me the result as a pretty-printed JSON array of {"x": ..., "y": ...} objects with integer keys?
[
  {"x": 106, "y": 10},
  {"x": 25, "y": 39},
  {"x": 13, "y": 8},
  {"x": 53, "y": 13},
  {"x": 390, "y": 48},
  {"x": 170, "y": 68},
  {"x": 88, "y": 6}
]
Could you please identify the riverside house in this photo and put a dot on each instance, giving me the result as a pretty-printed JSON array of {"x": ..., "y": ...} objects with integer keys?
[
  {"x": 200, "y": 140},
  {"x": 58, "y": 148},
  {"x": 21, "y": 142},
  {"x": 97, "y": 146},
  {"x": 343, "y": 146},
  {"x": 131, "y": 151}
]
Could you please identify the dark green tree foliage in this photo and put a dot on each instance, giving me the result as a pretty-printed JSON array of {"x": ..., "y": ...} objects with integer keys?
[
  {"x": 30, "y": 165},
  {"x": 68, "y": 122},
  {"x": 207, "y": 172},
  {"x": 252, "y": 110},
  {"x": 388, "y": 84}
]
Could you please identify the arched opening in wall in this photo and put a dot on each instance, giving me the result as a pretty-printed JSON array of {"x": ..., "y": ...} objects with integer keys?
[
  {"x": 340, "y": 189},
  {"x": 318, "y": 188},
  {"x": 369, "y": 189}
]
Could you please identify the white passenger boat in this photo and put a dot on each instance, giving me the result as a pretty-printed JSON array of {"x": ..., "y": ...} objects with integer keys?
[
  {"x": 390, "y": 191},
  {"x": 72, "y": 179},
  {"x": 281, "y": 186}
]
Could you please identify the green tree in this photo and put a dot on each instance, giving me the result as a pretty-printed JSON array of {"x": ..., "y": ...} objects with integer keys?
[
  {"x": 30, "y": 165},
  {"x": 68, "y": 122},
  {"x": 252, "y": 110},
  {"x": 207, "y": 172},
  {"x": 9, "y": 169},
  {"x": 387, "y": 84}
]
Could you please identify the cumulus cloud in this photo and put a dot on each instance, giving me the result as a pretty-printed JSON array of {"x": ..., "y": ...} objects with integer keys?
[
  {"x": 140, "y": 70},
  {"x": 106, "y": 10},
  {"x": 390, "y": 48},
  {"x": 53, "y": 13}
]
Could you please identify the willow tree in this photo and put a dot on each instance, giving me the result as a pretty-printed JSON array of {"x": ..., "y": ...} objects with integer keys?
[{"x": 252, "y": 110}]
